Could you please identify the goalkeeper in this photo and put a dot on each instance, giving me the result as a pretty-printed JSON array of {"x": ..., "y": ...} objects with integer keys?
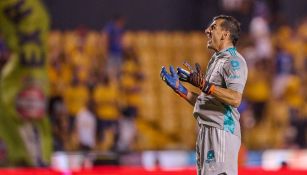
[{"x": 215, "y": 108}]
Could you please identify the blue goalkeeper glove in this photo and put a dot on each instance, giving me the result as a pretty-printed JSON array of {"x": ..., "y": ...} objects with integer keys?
[
  {"x": 184, "y": 75},
  {"x": 172, "y": 80},
  {"x": 195, "y": 77}
]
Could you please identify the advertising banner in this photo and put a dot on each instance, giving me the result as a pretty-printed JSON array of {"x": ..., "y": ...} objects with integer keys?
[{"x": 24, "y": 128}]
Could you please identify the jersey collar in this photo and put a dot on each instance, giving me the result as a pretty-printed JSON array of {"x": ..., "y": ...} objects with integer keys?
[{"x": 224, "y": 52}]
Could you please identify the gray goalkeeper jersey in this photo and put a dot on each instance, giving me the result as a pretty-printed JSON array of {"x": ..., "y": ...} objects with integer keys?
[{"x": 226, "y": 69}]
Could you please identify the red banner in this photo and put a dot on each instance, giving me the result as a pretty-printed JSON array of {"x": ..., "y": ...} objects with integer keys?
[{"x": 139, "y": 171}]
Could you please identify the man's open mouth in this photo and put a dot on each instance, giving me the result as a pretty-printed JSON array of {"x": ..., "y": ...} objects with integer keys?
[{"x": 209, "y": 40}]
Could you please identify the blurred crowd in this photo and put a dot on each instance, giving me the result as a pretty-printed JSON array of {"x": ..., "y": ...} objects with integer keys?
[
  {"x": 105, "y": 91},
  {"x": 94, "y": 90},
  {"x": 274, "y": 111},
  {"x": 95, "y": 108}
]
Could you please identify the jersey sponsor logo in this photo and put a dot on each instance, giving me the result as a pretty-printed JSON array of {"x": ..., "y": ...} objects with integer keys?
[
  {"x": 211, "y": 160},
  {"x": 210, "y": 156},
  {"x": 235, "y": 65}
]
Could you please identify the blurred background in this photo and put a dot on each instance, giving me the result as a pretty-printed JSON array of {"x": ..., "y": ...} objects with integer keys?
[{"x": 81, "y": 93}]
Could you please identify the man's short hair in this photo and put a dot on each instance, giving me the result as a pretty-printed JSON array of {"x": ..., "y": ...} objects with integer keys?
[{"x": 232, "y": 25}]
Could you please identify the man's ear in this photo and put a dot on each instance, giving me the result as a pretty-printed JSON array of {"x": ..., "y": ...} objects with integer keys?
[{"x": 225, "y": 35}]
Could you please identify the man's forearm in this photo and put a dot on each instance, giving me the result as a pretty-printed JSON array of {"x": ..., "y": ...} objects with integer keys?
[
  {"x": 227, "y": 96},
  {"x": 192, "y": 97}
]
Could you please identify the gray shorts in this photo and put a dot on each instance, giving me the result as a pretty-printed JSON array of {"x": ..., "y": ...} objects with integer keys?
[{"x": 216, "y": 151}]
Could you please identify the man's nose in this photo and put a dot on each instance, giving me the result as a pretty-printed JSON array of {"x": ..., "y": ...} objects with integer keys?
[{"x": 207, "y": 31}]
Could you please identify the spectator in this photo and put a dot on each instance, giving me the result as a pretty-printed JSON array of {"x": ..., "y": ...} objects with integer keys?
[
  {"x": 58, "y": 116},
  {"x": 114, "y": 35},
  {"x": 86, "y": 126},
  {"x": 258, "y": 90},
  {"x": 260, "y": 31},
  {"x": 106, "y": 97},
  {"x": 130, "y": 79},
  {"x": 284, "y": 70},
  {"x": 59, "y": 74},
  {"x": 75, "y": 96}
]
